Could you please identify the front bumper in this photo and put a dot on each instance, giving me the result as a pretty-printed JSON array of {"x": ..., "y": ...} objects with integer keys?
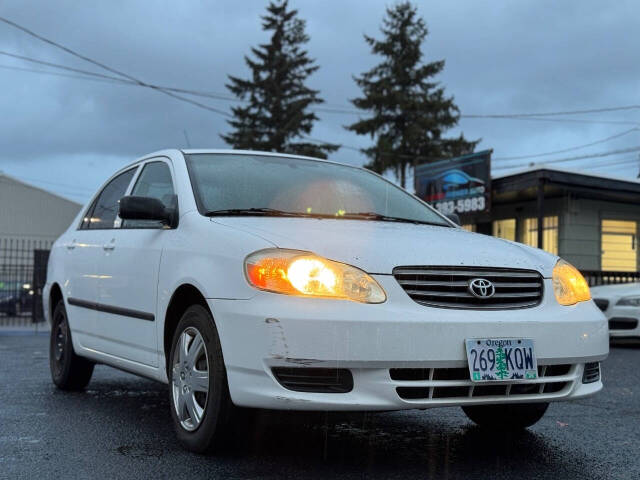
[{"x": 272, "y": 330}]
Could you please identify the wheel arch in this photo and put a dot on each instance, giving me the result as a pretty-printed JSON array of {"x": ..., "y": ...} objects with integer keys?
[
  {"x": 183, "y": 297},
  {"x": 55, "y": 295}
]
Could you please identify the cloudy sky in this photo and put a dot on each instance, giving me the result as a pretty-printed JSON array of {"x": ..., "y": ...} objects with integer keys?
[{"x": 502, "y": 57}]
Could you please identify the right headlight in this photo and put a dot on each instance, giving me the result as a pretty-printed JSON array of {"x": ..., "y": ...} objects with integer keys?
[
  {"x": 569, "y": 285},
  {"x": 304, "y": 274}
]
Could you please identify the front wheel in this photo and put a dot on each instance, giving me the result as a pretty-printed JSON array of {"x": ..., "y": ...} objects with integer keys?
[
  {"x": 506, "y": 416},
  {"x": 68, "y": 370},
  {"x": 201, "y": 406}
]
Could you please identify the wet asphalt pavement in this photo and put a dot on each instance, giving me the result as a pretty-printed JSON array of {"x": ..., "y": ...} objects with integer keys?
[{"x": 121, "y": 428}]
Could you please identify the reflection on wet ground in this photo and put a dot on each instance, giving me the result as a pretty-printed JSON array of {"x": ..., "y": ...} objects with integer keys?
[{"x": 121, "y": 425}]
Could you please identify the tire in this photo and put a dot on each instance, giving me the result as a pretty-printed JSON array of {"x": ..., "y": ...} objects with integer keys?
[
  {"x": 68, "y": 370},
  {"x": 506, "y": 416},
  {"x": 201, "y": 411}
]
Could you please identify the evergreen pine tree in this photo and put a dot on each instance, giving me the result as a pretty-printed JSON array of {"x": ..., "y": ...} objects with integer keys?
[
  {"x": 277, "y": 98},
  {"x": 410, "y": 111},
  {"x": 502, "y": 371}
]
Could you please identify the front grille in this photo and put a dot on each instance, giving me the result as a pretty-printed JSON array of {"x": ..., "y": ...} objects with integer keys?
[
  {"x": 591, "y": 372},
  {"x": 448, "y": 287},
  {"x": 622, "y": 323},
  {"x": 317, "y": 380},
  {"x": 602, "y": 303},
  {"x": 454, "y": 383}
]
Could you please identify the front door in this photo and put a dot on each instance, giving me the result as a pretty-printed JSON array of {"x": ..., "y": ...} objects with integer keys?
[
  {"x": 84, "y": 249},
  {"x": 129, "y": 266}
]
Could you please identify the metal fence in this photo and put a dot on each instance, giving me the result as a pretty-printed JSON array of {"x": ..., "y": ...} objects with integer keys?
[
  {"x": 23, "y": 272},
  {"x": 603, "y": 277}
]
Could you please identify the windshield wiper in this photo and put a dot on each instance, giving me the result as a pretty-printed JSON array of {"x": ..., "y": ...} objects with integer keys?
[
  {"x": 250, "y": 212},
  {"x": 388, "y": 218}
]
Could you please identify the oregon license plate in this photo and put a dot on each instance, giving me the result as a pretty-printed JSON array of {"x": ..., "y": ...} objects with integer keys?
[{"x": 501, "y": 359}]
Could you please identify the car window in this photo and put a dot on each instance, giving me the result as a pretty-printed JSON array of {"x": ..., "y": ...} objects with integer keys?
[
  {"x": 104, "y": 210},
  {"x": 154, "y": 181}
]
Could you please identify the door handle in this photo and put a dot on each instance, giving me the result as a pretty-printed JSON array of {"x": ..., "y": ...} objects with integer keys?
[
  {"x": 72, "y": 245},
  {"x": 109, "y": 246}
]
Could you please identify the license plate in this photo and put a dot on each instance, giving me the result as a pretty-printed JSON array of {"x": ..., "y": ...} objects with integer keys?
[{"x": 501, "y": 359}]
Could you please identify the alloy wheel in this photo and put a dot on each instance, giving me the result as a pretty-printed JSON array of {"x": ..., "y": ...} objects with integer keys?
[{"x": 190, "y": 378}]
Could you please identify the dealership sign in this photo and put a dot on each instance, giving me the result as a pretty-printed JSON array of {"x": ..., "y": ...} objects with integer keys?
[{"x": 456, "y": 185}]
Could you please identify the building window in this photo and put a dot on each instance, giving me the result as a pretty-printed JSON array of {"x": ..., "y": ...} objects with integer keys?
[
  {"x": 549, "y": 233},
  {"x": 618, "y": 242},
  {"x": 505, "y": 229},
  {"x": 470, "y": 227}
]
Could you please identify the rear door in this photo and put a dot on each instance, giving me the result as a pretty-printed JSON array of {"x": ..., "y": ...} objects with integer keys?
[
  {"x": 83, "y": 250},
  {"x": 128, "y": 271}
]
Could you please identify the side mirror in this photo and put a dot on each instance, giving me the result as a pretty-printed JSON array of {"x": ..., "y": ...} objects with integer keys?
[
  {"x": 454, "y": 218},
  {"x": 146, "y": 208}
]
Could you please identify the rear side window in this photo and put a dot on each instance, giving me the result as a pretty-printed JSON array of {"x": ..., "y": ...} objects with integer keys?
[
  {"x": 104, "y": 210},
  {"x": 154, "y": 181}
]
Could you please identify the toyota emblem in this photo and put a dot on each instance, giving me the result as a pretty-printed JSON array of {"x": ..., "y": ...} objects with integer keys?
[{"x": 481, "y": 288}]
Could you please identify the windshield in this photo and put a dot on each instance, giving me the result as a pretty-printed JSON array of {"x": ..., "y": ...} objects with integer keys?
[{"x": 278, "y": 185}]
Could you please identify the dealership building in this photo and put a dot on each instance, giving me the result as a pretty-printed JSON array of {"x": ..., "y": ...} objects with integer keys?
[{"x": 590, "y": 220}]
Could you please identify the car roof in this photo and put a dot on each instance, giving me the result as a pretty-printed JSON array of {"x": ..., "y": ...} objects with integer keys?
[{"x": 191, "y": 151}]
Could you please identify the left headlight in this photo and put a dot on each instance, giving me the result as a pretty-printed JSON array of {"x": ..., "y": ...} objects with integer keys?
[
  {"x": 294, "y": 272},
  {"x": 569, "y": 285}
]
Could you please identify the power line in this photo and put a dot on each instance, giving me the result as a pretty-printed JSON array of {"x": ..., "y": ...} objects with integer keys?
[
  {"x": 57, "y": 74},
  {"x": 550, "y": 114},
  {"x": 578, "y": 157},
  {"x": 170, "y": 92},
  {"x": 198, "y": 93},
  {"x": 627, "y": 161},
  {"x": 564, "y": 150},
  {"x": 113, "y": 70},
  {"x": 55, "y": 65},
  {"x": 564, "y": 120},
  {"x": 225, "y": 97}
]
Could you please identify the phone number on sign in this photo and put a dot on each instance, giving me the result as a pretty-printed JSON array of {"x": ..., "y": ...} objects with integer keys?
[{"x": 474, "y": 204}]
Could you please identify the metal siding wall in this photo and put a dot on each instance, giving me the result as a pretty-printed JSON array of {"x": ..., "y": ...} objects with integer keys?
[
  {"x": 28, "y": 212},
  {"x": 580, "y": 239}
]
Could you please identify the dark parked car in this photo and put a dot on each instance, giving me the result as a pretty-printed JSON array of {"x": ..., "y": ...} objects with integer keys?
[{"x": 15, "y": 298}]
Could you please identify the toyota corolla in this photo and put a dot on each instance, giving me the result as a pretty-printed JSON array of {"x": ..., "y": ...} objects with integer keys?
[{"x": 246, "y": 279}]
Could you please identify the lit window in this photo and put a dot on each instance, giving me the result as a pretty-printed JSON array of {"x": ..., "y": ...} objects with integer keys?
[
  {"x": 549, "y": 233},
  {"x": 505, "y": 229},
  {"x": 618, "y": 242},
  {"x": 471, "y": 227}
]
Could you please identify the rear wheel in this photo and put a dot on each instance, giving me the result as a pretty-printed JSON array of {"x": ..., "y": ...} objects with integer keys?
[
  {"x": 201, "y": 406},
  {"x": 506, "y": 416},
  {"x": 68, "y": 370}
]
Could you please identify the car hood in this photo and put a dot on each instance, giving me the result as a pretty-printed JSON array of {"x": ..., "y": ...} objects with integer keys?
[
  {"x": 378, "y": 247},
  {"x": 619, "y": 290}
]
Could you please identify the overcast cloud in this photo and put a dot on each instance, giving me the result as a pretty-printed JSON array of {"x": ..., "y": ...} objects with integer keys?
[{"x": 68, "y": 135}]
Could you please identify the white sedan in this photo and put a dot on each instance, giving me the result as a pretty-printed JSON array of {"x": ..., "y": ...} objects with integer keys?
[
  {"x": 246, "y": 279},
  {"x": 621, "y": 305}
]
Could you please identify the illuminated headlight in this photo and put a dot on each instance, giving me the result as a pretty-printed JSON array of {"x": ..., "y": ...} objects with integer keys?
[
  {"x": 629, "y": 302},
  {"x": 294, "y": 272},
  {"x": 569, "y": 285}
]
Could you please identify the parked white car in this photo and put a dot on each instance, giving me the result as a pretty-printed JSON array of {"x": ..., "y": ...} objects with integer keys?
[
  {"x": 621, "y": 305},
  {"x": 246, "y": 279}
]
